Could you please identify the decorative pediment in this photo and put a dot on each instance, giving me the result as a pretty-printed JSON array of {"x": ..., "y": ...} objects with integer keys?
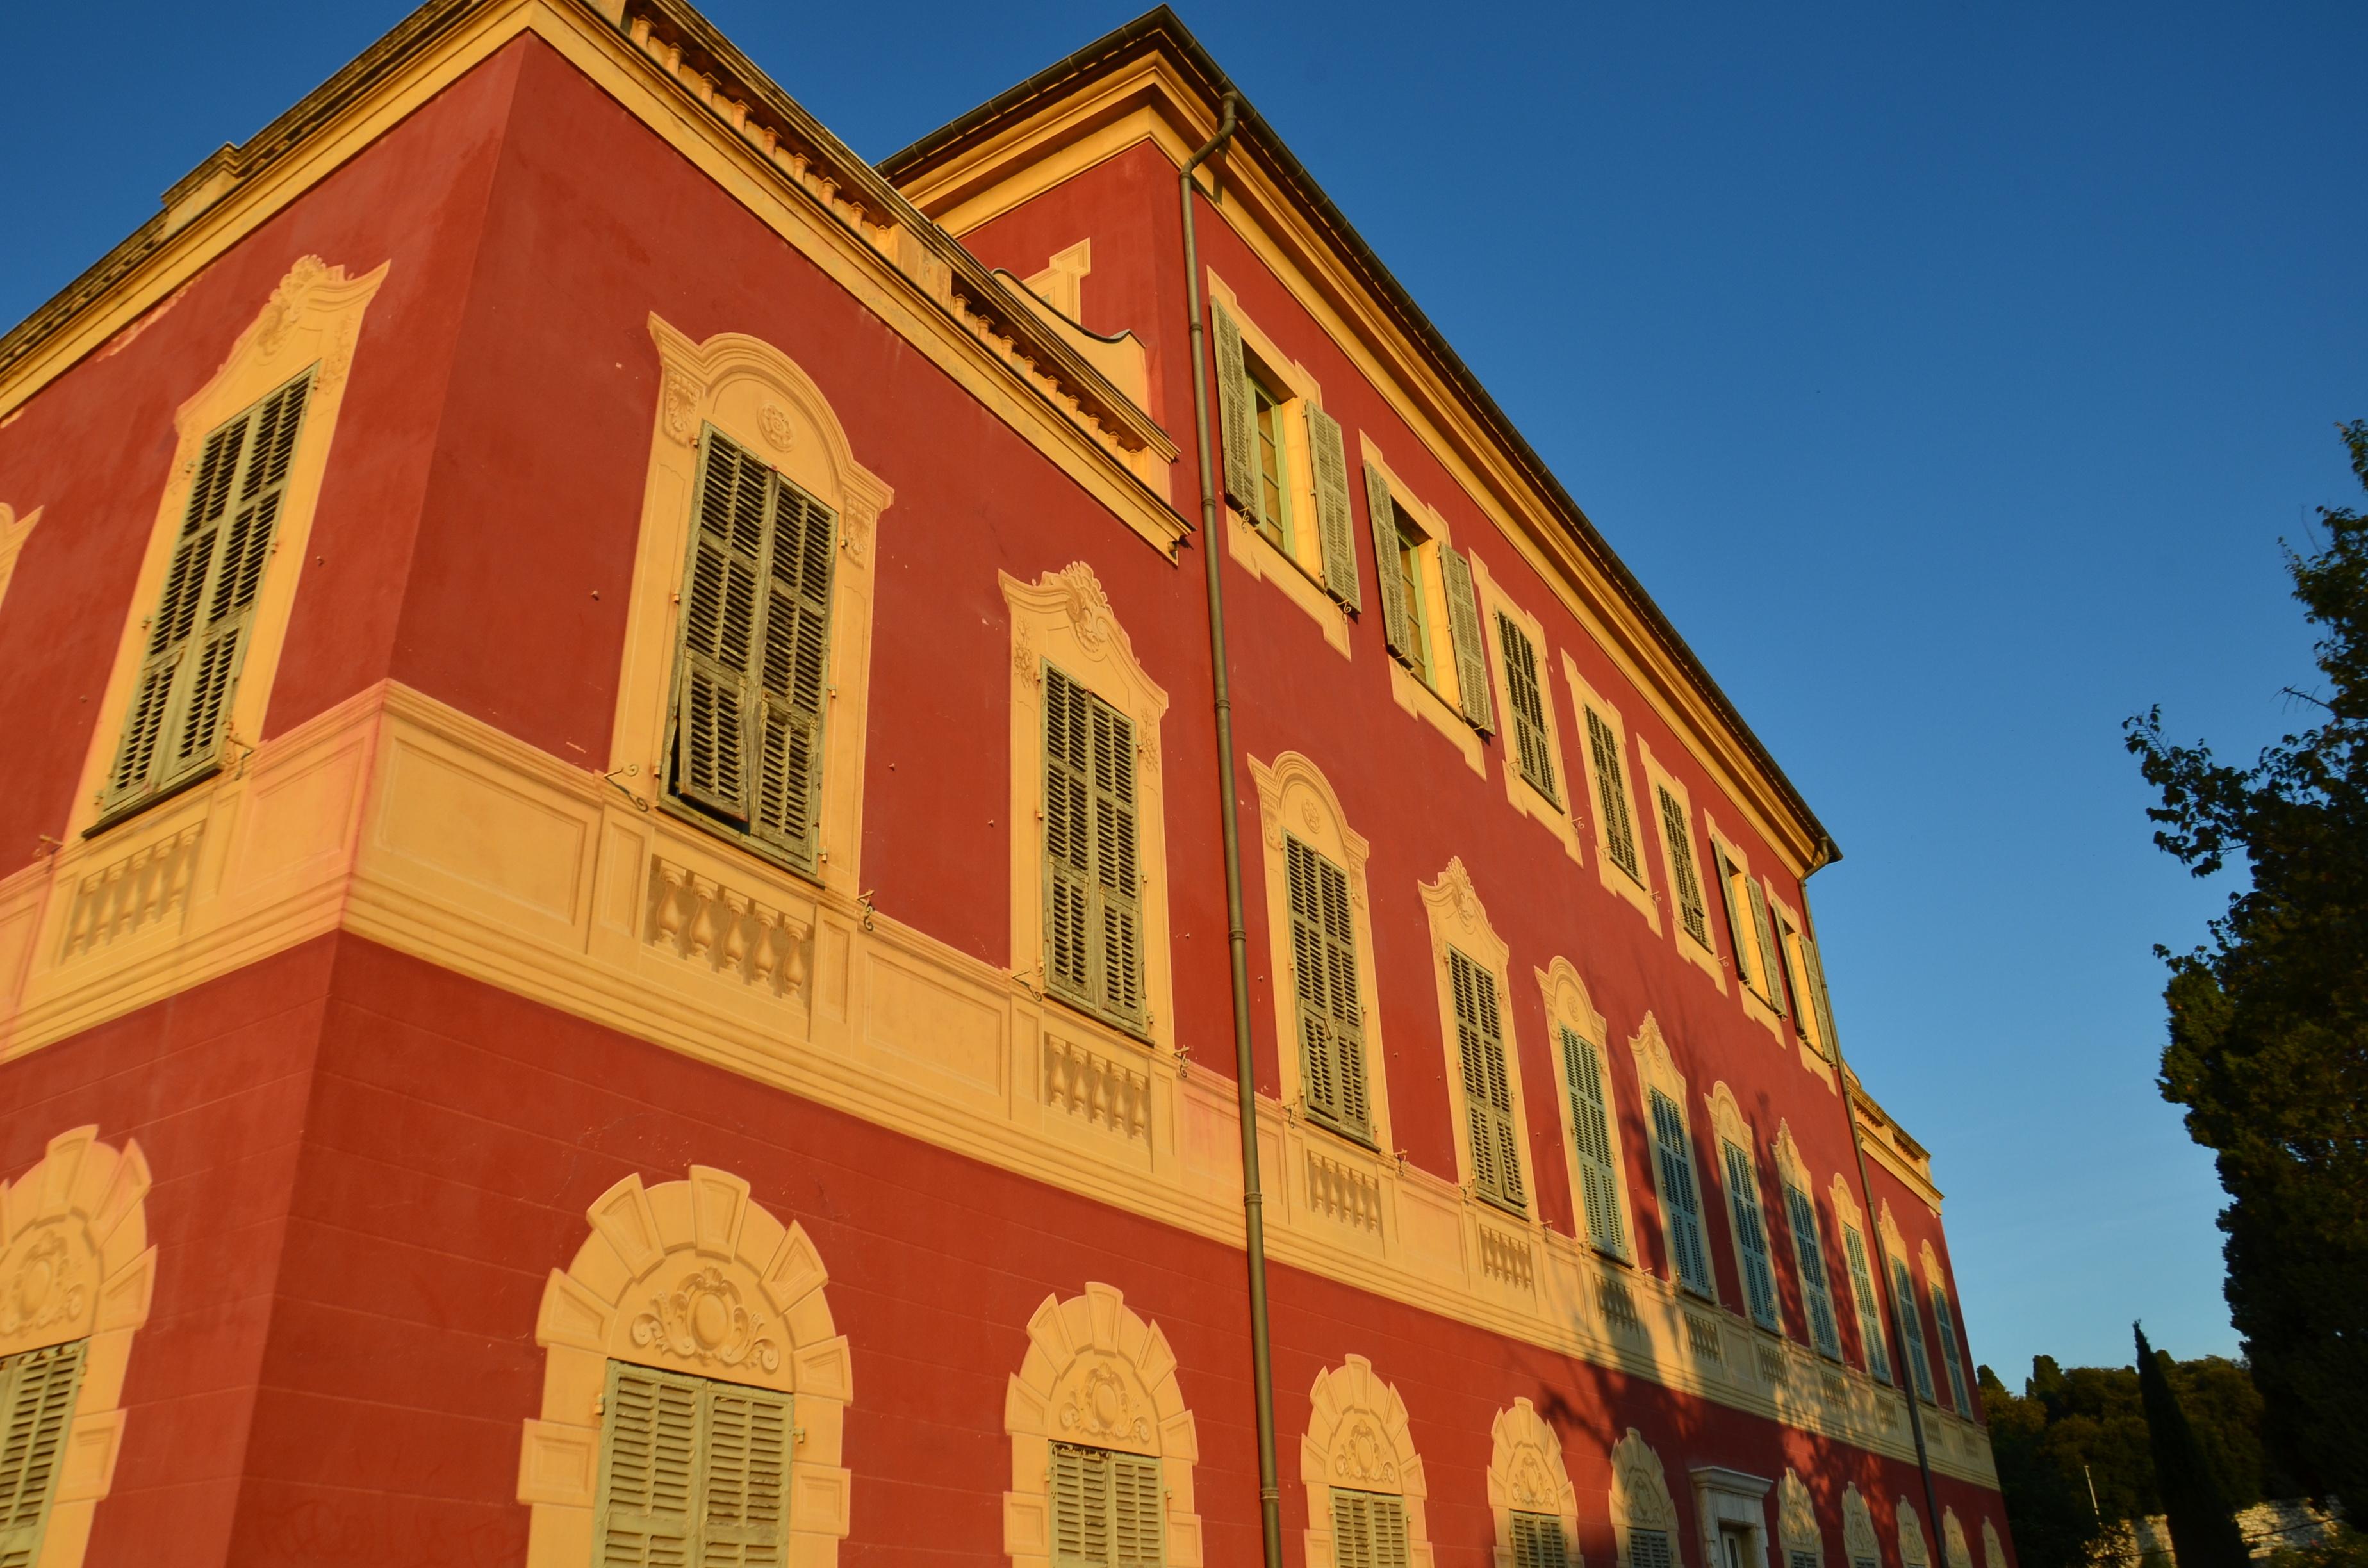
[
  {"x": 1726, "y": 1117},
  {"x": 1640, "y": 1488},
  {"x": 1993, "y": 1548},
  {"x": 1913, "y": 1547},
  {"x": 1065, "y": 616},
  {"x": 314, "y": 317},
  {"x": 1525, "y": 1465},
  {"x": 1954, "y": 1550},
  {"x": 1790, "y": 1167},
  {"x": 1796, "y": 1518},
  {"x": 1569, "y": 1001},
  {"x": 1858, "y": 1527},
  {"x": 1295, "y": 798},
  {"x": 13, "y": 531},
  {"x": 1358, "y": 1439},
  {"x": 1655, "y": 1066}
]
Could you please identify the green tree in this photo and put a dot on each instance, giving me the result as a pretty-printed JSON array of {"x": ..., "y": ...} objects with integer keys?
[
  {"x": 2046, "y": 1500},
  {"x": 2269, "y": 1023},
  {"x": 2204, "y": 1532}
]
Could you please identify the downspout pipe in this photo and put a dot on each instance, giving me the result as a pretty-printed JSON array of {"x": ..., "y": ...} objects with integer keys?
[{"x": 1229, "y": 821}]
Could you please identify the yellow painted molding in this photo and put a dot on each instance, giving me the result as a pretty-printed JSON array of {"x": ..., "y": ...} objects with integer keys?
[
  {"x": 1638, "y": 889},
  {"x": 689, "y": 1277},
  {"x": 1858, "y": 1540},
  {"x": 1452, "y": 908},
  {"x": 1358, "y": 1439},
  {"x": 76, "y": 1264},
  {"x": 1914, "y": 1548},
  {"x": 13, "y": 531},
  {"x": 1954, "y": 1552},
  {"x": 1554, "y": 815},
  {"x": 1796, "y": 1522},
  {"x": 1097, "y": 1374},
  {"x": 1730, "y": 870},
  {"x": 1640, "y": 1497},
  {"x": 1702, "y": 953},
  {"x": 1526, "y": 1472}
]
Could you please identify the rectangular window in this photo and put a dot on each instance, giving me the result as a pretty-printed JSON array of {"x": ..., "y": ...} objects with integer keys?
[
  {"x": 1418, "y": 623},
  {"x": 1463, "y": 640},
  {"x": 1679, "y": 835},
  {"x": 1331, "y": 1022},
  {"x": 1612, "y": 795},
  {"x": 1738, "y": 929},
  {"x": 1751, "y": 1236},
  {"x": 1944, "y": 1323},
  {"x": 1809, "y": 1254},
  {"x": 1487, "y": 1088},
  {"x": 1802, "y": 1559},
  {"x": 1911, "y": 1323},
  {"x": 1108, "y": 1509},
  {"x": 1537, "y": 1542},
  {"x": 1870, "y": 1312},
  {"x": 1649, "y": 1549},
  {"x": 1674, "y": 1153},
  {"x": 37, "y": 1398},
  {"x": 1368, "y": 1529},
  {"x": 1772, "y": 981},
  {"x": 1825, "y": 1008},
  {"x": 751, "y": 667},
  {"x": 691, "y": 1471},
  {"x": 1270, "y": 509},
  {"x": 1531, "y": 741},
  {"x": 1093, "y": 888},
  {"x": 1591, "y": 1124},
  {"x": 197, "y": 638}
]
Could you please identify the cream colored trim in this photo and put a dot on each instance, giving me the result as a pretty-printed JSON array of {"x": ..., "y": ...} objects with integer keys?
[
  {"x": 1569, "y": 1005},
  {"x": 1954, "y": 1552},
  {"x": 1357, "y": 1438},
  {"x": 1809, "y": 1037},
  {"x": 1458, "y": 921},
  {"x": 1913, "y": 1548},
  {"x": 1636, "y": 890},
  {"x": 763, "y": 400},
  {"x": 1557, "y": 816},
  {"x": 1796, "y": 1520},
  {"x": 688, "y": 1277},
  {"x": 1728, "y": 1126},
  {"x": 1640, "y": 1497},
  {"x": 1730, "y": 876},
  {"x": 1657, "y": 1069},
  {"x": 313, "y": 319},
  {"x": 1435, "y": 700},
  {"x": 1702, "y": 954},
  {"x": 1526, "y": 1472},
  {"x": 13, "y": 531},
  {"x": 1295, "y": 798},
  {"x": 1858, "y": 1527},
  {"x": 1993, "y": 1548},
  {"x": 1062, "y": 283},
  {"x": 1065, "y": 618},
  {"x": 1097, "y": 1375},
  {"x": 76, "y": 1263}
]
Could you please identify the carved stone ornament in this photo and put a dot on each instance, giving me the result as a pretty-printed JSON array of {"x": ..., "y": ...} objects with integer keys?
[
  {"x": 1462, "y": 899},
  {"x": 1362, "y": 1459},
  {"x": 773, "y": 424},
  {"x": 1102, "y": 1411},
  {"x": 1796, "y": 1518},
  {"x": 1857, "y": 1525},
  {"x": 44, "y": 1283},
  {"x": 682, "y": 402},
  {"x": 703, "y": 1320},
  {"x": 1534, "y": 1489},
  {"x": 1088, "y": 605},
  {"x": 1640, "y": 1488},
  {"x": 288, "y": 303}
]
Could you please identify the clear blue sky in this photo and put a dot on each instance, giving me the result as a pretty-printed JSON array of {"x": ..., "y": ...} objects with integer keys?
[{"x": 1949, "y": 373}]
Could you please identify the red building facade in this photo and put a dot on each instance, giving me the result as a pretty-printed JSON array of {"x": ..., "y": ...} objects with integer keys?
[{"x": 614, "y": 943}]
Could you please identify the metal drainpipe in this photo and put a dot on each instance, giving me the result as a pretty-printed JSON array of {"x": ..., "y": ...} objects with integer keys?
[{"x": 1236, "y": 937}]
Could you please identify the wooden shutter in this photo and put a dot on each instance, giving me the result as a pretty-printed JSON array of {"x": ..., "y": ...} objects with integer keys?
[
  {"x": 1817, "y": 994},
  {"x": 1334, "y": 520},
  {"x": 1381, "y": 512},
  {"x": 1911, "y": 1323},
  {"x": 1809, "y": 1252},
  {"x": 649, "y": 1475},
  {"x": 1739, "y": 933},
  {"x": 1799, "y": 1559},
  {"x": 1751, "y": 1234},
  {"x": 1674, "y": 1153},
  {"x": 1331, "y": 1023},
  {"x": 1612, "y": 795},
  {"x": 792, "y": 671},
  {"x": 1368, "y": 1530},
  {"x": 1537, "y": 1542},
  {"x": 1590, "y": 1124},
  {"x": 1108, "y": 1510},
  {"x": 1138, "y": 1513},
  {"x": 37, "y": 1397},
  {"x": 745, "y": 1520},
  {"x": 1944, "y": 1323},
  {"x": 1871, "y": 1336},
  {"x": 204, "y": 621},
  {"x": 1679, "y": 835},
  {"x": 1093, "y": 882},
  {"x": 1530, "y": 741},
  {"x": 1649, "y": 1549},
  {"x": 1487, "y": 1090},
  {"x": 1772, "y": 981},
  {"x": 1234, "y": 416},
  {"x": 1463, "y": 634}
]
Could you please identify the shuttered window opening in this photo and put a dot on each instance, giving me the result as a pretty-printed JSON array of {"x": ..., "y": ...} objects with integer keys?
[
  {"x": 1537, "y": 1542},
  {"x": 1463, "y": 636},
  {"x": 1108, "y": 1509},
  {"x": 1674, "y": 826},
  {"x": 1674, "y": 1153},
  {"x": 692, "y": 1471},
  {"x": 1869, "y": 1314},
  {"x": 1236, "y": 421},
  {"x": 1809, "y": 1254},
  {"x": 37, "y": 1397},
  {"x": 1771, "y": 968},
  {"x": 1611, "y": 796},
  {"x": 1336, "y": 531},
  {"x": 1920, "y": 1365},
  {"x": 1487, "y": 1089},
  {"x": 1803, "y": 1558},
  {"x": 1591, "y": 1124},
  {"x": 1866, "y": 1562},
  {"x": 1944, "y": 1324},
  {"x": 197, "y": 639},
  {"x": 1817, "y": 994},
  {"x": 1738, "y": 929},
  {"x": 1368, "y": 1529},
  {"x": 1331, "y": 1022},
  {"x": 1093, "y": 880},
  {"x": 1751, "y": 1234},
  {"x": 1530, "y": 744},
  {"x": 1650, "y": 1549},
  {"x": 752, "y": 661}
]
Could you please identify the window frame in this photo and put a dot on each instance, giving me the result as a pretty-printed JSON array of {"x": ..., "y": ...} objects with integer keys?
[
  {"x": 1751, "y": 929},
  {"x": 1459, "y": 925},
  {"x": 1738, "y": 1172},
  {"x": 1437, "y": 696},
  {"x": 1701, "y": 950},
  {"x": 1570, "y": 1007},
  {"x": 1945, "y": 1328},
  {"x": 1554, "y": 809},
  {"x": 1635, "y": 888},
  {"x": 697, "y": 1515},
  {"x": 1657, "y": 1075}
]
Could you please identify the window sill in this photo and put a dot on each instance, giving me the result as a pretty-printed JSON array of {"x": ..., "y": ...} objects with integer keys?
[
  {"x": 1138, "y": 1033},
  {"x": 755, "y": 849},
  {"x": 1418, "y": 697},
  {"x": 1625, "y": 884},
  {"x": 1363, "y": 1143},
  {"x": 116, "y": 815},
  {"x": 1262, "y": 559},
  {"x": 1530, "y": 801},
  {"x": 1703, "y": 956}
]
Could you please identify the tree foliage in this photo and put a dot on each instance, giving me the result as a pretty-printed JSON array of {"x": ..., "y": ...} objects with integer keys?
[
  {"x": 2204, "y": 1532},
  {"x": 2268, "y": 1020}
]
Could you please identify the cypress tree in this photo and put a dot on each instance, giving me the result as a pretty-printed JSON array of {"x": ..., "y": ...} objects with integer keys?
[{"x": 2204, "y": 1532}]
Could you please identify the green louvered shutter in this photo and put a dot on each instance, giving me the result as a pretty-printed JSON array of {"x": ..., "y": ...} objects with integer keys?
[
  {"x": 1871, "y": 1336},
  {"x": 1799, "y": 1559},
  {"x": 1368, "y": 1529},
  {"x": 1944, "y": 1323},
  {"x": 1809, "y": 1252},
  {"x": 1530, "y": 742},
  {"x": 1590, "y": 1124},
  {"x": 37, "y": 1397},
  {"x": 1911, "y": 1323},
  {"x": 1138, "y": 1513},
  {"x": 1771, "y": 980},
  {"x": 745, "y": 1521},
  {"x": 1331, "y": 1023},
  {"x": 1463, "y": 634},
  {"x": 1334, "y": 522},
  {"x": 1108, "y": 1510},
  {"x": 1738, "y": 929},
  {"x": 1674, "y": 1153},
  {"x": 1234, "y": 416},
  {"x": 1649, "y": 1549},
  {"x": 649, "y": 1473},
  {"x": 1381, "y": 513},
  {"x": 1093, "y": 883},
  {"x": 1537, "y": 1542},
  {"x": 1817, "y": 994},
  {"x": 197, "y": 639},
  {"x": 1487, "y": 1090},
  {"x": 1612, "y": 795},
  {"x": 1681, "y": 867},
  {"x": 1751, "y": 1232},
  {"x": 792, "y": 673}
]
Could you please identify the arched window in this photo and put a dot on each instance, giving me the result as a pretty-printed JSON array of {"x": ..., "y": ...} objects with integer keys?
[
  {"x": 1677, "y": 1178},
  {"x": 1365, "y": 1484},
  {"x": 1746, "y": 1214},
  {"x": 1954, "y": 1550},
  {"x": 1858, "y": 1530},
  {"x": 1945, "y": 1329},
  {"x": 1993, "y": 1548},
  {"x": 1644, "y": 1515},
  {"x": 1911, "y": 1315},
  {"x": 1598, "y": 1179},
  {"x": 1535, "y": 1506},
  {"x": 1797, "y": 1524},
  {"x": 1802, "y": 1224},
  {"x": 1914, "y": 1549}
]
